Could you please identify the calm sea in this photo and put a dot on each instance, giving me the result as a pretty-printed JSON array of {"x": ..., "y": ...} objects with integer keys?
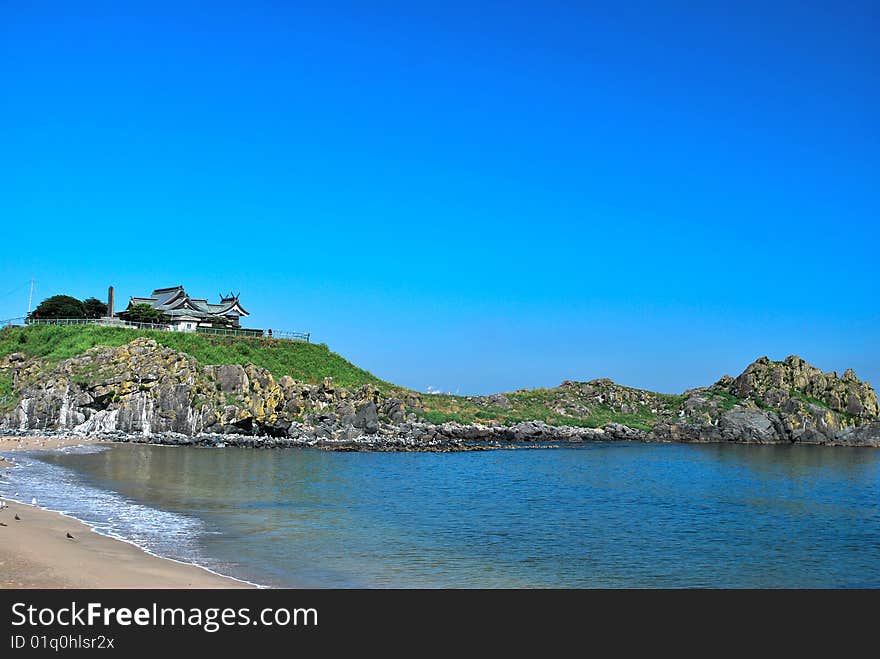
[{"x": 598, "y": 515}]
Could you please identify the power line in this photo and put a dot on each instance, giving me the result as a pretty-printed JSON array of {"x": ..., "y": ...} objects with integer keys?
[{"x": 14, "y": 290}]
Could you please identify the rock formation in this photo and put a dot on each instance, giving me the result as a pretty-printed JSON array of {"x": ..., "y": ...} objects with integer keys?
[
  {"x": 772, "y": 402},
  {"x": 142, "y": 391}
]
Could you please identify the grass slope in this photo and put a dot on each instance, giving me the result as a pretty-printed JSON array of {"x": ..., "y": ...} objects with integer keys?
[{"x": 308, "y": 362}]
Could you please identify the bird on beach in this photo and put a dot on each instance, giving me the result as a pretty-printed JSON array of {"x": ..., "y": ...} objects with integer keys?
[
  {"x": 70, "y": 537},
  {"x": 34, "y": 501},
  {"x": 17, "y": 518}
]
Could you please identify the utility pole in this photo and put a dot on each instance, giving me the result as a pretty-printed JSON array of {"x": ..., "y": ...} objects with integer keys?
[{"x": 30, "y": 299}]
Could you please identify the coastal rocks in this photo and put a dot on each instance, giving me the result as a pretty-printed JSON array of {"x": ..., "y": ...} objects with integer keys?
[
  {"x": 749, "y": 426},
  {"x": 142, "y": 391},
  {"x": 777, "y": 402},
  {"x": 366, "y": 417},
  {"x": 774, "y": 384},
  {"x": 866, "y": 435}
]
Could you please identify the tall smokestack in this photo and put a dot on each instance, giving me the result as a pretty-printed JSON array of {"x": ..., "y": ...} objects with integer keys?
[{"x": 110, "y": 303}]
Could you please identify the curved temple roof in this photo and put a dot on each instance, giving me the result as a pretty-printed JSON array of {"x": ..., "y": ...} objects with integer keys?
[{"x": 176, "y": 301}]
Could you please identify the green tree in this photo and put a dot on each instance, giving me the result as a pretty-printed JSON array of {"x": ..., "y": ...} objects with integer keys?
[
  {"x": 60, "y": 306},
  {"x": 143, "y": 313},
  {"x": 94, "y": 308}
]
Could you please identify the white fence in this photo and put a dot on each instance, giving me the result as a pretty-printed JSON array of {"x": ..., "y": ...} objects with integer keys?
[{"x": 115, "y": 322}]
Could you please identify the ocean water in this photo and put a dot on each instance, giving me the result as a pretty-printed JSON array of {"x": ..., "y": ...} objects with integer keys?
[{"x": 596, "y": 515}]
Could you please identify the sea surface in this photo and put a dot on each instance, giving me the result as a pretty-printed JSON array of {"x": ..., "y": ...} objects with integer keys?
[{"x": 596, "y": 515}]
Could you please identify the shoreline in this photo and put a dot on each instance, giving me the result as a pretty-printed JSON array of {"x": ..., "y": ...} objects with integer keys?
[
  {"x": 36, "y": 552},
  {"x": 451, "y": 437}
]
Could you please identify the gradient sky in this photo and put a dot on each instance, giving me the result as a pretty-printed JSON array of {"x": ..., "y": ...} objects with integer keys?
[{"x": 469, "y": 196}]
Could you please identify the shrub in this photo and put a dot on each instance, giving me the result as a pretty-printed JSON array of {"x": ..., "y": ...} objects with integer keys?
[
  {"x": 60, "y": 306},
  {"x": 144, "y": 313},
  {"x": 94, "y": 308}
]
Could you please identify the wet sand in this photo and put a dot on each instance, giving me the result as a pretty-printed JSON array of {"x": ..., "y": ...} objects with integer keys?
[{"x": 36, "y": 552}]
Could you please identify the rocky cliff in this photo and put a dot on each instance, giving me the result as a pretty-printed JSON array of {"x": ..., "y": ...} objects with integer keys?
[
  {"x": 144, "y": 391},
  {"x": 144, "y": 388},
  {"x": 773, "y": 402}
]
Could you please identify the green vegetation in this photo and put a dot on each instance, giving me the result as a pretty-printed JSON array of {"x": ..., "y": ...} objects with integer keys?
[
  {"x": 94, "y": 308},
  {"x": 307, "y": 362},
  {"x": 7, "y": 397},
  {"x": 725, "y": 400},
  {"x": 60, "y": 306},
  {"x": 801, "y": 396},
  {"x": 143, "y": 313},
  {"x": 540, "y": 405}
]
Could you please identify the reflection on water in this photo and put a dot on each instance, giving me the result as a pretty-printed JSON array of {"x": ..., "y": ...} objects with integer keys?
[{"x": 610, "y": 515}]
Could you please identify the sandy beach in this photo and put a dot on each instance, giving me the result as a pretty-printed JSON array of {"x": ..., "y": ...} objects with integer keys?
[{"x": 36, "y": 552}]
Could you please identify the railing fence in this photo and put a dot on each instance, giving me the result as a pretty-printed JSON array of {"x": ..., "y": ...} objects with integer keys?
[{"x": 107, "y": 322}]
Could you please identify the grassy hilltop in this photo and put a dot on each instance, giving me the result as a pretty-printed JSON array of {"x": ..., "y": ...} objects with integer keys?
[{"x": 309, "y": 362}]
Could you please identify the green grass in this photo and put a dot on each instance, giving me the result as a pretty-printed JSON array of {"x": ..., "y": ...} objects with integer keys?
[
  {"x": 801, "y": 396},
  {"x": 536, "y": 405},
  {"x": 726, "y": 400},
  {"x": 308, "y": 362},
  {"x": 7, "y": 397}
]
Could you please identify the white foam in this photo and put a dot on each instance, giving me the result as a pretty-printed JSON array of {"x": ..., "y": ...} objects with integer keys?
[{"x": 168, "y": 535}]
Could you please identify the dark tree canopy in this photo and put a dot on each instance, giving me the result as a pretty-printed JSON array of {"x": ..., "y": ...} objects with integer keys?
[
  {"x": 60, "y": 306},
  {"x": 94, "y": 308},
  {"x": 143, "y": 313}
]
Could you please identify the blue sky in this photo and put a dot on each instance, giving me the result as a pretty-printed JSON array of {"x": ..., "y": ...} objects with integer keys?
[{"x": 469, "y": 196}]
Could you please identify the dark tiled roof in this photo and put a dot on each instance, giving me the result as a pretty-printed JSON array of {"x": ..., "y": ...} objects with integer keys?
[{"x": 175, "y": 301}]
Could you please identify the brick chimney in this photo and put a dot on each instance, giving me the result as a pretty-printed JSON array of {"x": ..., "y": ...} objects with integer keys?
[{"x": 110, "y": 302}]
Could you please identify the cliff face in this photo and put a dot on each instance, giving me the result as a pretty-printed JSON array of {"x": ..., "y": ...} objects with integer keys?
[{"x": 144, "y": 389}]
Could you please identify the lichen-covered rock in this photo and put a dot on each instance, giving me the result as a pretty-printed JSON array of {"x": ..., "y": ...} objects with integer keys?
[
  {"x": 231, "y": 378},
  {"x": 776, "y": 383}
]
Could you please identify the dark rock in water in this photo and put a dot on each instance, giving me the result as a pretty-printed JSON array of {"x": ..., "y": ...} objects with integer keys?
[
  {"x": 866, "y": 435},
  {"x": 750, "y": 426}
]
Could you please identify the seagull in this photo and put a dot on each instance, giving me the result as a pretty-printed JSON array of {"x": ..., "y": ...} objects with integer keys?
[
  {"x": 17, "y": 518},
  {"x": 70, "y": 537},
  {"x": 33, "y": 501}
]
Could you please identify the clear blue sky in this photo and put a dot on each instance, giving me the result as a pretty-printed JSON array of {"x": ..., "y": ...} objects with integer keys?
[{"x": 473, "y": 196}]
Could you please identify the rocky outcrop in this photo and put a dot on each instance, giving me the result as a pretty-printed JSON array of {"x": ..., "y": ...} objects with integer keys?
[
  {"x": 142, "y": 391},
  {"x": 793, "y": 384},
  {"x": 773, "y": 402},
  {"x": 143, "y": 388}
]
